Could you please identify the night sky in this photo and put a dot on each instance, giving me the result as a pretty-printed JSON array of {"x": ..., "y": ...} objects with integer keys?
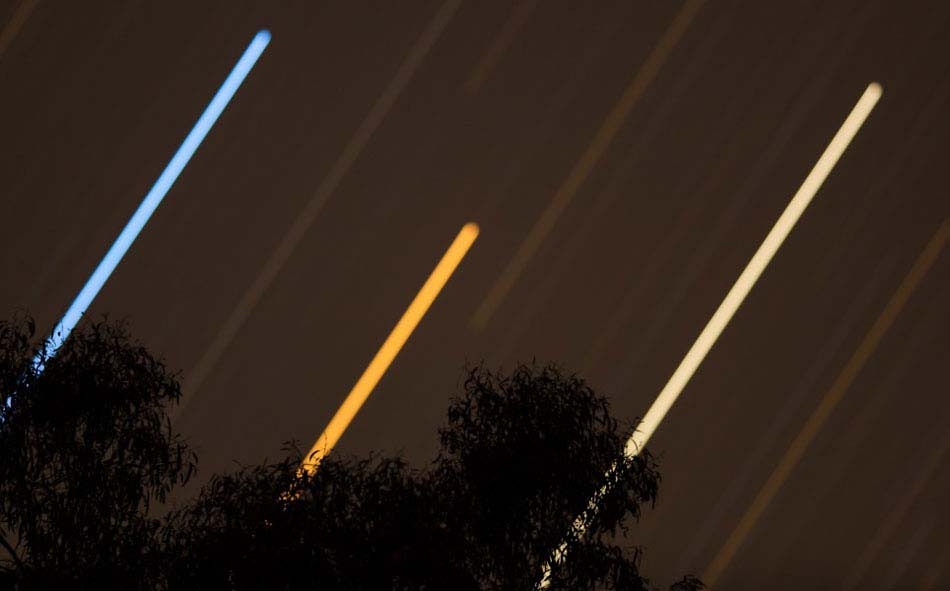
[{"x": 623, "y": 160}]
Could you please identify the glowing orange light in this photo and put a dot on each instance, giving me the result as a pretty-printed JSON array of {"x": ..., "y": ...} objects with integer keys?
[{"x": 391, "y": 346}]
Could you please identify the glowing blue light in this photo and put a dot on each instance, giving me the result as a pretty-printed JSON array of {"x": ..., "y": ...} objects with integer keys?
[{"x": 155, "y": 195}]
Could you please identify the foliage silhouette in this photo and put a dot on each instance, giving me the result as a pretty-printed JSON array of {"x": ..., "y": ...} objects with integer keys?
[
  {"x": 521, "y": 454},
  {"x": 87, "y": 448}
]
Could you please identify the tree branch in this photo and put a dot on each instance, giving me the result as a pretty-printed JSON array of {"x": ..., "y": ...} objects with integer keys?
[{"x": 11, "y": 550}]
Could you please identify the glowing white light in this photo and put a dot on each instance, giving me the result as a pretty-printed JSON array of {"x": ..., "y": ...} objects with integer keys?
[
  {"x": 743, "y": 285},
  {"x": 755, "y": 267}
]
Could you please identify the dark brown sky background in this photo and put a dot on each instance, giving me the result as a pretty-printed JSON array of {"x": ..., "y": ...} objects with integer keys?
[{"x": 96, "y": 96}]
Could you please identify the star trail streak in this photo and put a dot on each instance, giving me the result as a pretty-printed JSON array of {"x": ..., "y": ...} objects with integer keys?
[
  {"x": 158, "y": 191},
  {"x": 392, "y": 345},
  {"x": 628, "y": 159},
  {"x": 743, "y": 285}
]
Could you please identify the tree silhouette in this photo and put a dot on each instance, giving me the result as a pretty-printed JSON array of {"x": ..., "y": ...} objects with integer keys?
[
  {"x": 355, "y": 524},
  {"x": 520, "y": 456},
  {"x": 87, "y": 447}
]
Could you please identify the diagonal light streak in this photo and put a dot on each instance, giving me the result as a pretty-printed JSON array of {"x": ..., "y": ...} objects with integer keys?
[
  {"x": 341, "y": 167},
  {"x": 753, "y": 270},
  {"x": 10, "y": 31},
  {"x": 585, "y": 165},
  {"x": 158, "y": 191},
  {"x": 736, "y": 295},
  {"x": 796, "y": 450},
  {"x": 391, "y": 346}
]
